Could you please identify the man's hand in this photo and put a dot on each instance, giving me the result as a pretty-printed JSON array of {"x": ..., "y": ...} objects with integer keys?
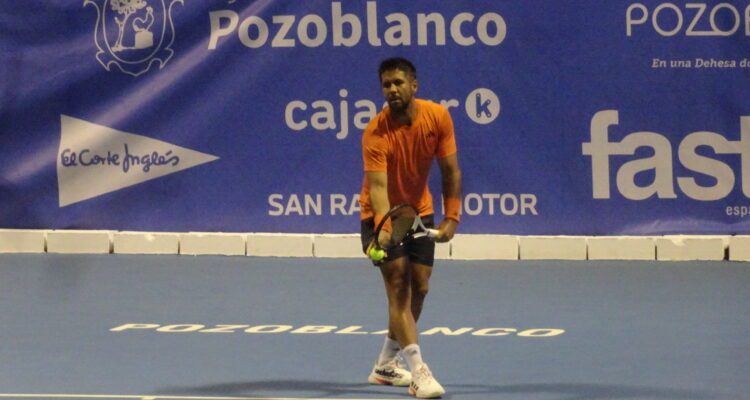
[
  {"x": 384, "y": 238},
  {"x": 446, "y": 230}
]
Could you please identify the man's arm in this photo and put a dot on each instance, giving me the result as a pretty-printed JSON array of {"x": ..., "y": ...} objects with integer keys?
[
  {"x": 379, "y": 199},
  {"x": 378, "y": 192},
  {"x": 451, "y": 179}
]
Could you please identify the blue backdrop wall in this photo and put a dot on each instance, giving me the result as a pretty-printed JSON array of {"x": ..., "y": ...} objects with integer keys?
[{"x": 579, "y": 117}]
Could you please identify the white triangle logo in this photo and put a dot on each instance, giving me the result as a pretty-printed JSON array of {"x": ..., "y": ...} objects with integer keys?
[{"x": 94, "y": 159}]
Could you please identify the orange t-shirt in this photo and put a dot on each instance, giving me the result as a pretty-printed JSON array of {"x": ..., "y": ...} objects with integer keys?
[{"x": 406, "y": 153}]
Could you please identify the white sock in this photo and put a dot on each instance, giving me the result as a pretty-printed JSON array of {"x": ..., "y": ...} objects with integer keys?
[
  {"x": 413, "y": 356},
  {"x": 389, "y": 351}
]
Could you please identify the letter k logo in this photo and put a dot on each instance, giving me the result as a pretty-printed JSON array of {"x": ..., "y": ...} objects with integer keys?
[{"x": 482, "y": 106}]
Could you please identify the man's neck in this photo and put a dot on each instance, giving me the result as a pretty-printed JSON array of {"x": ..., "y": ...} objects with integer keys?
[{"x": 407, "y": 116}]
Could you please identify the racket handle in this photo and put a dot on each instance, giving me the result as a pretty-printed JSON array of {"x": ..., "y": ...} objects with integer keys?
[{"x": 432, "y": 233}]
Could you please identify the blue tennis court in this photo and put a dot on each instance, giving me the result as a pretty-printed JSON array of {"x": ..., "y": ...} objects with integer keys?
[{"x": 180, "y": 327}]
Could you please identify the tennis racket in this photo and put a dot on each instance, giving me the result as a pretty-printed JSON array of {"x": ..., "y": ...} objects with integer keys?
[{"x": 405, "y": 225}]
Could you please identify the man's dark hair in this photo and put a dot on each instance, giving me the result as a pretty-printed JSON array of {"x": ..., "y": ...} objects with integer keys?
[{"x": 398, "y": 63}]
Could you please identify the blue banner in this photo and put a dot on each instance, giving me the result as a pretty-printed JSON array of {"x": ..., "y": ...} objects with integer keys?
[{"x": 572, "y": 118}]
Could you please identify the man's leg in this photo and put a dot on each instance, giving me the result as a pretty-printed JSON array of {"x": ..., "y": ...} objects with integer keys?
[
  {"x": 420, "y": 286},
  {"x": 406, "y": 282},
  {"x": 401, "y": 323},
  {"x": 387, "y": 370},
  {"x": 422, "y": 257},
  {"x": 418, "y": 272}
]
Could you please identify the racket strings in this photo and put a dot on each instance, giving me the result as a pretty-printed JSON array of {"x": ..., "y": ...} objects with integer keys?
[{"x": 401, "y": 227}]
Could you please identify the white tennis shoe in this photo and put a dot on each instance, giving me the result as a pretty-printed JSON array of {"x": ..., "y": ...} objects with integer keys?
[
  {"x": 390, "y": 373},
  {"x": 424, "y": 385}
]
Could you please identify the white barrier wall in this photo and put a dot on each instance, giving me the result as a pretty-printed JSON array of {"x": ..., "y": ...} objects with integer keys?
[{"x": 462, "y": 247}]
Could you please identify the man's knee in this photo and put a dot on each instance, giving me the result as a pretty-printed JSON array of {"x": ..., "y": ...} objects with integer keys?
[
  {"x": 420, "y": 289},
  {"x": 397, "y": 281},
  {"x": 398, "y": 290},
  {"x": 420, "y": 284}
]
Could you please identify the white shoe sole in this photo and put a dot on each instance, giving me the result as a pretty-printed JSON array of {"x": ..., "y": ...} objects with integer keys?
[
  {"x": 375, "y": 380},
  {"x": 432, "y": 395}
]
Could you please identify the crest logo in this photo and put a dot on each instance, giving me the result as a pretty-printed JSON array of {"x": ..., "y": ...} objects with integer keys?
[{"x": 133, "y": 34}]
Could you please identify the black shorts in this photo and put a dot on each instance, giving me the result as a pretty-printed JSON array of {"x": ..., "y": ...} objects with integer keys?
[{"x": 421, "y": 250}]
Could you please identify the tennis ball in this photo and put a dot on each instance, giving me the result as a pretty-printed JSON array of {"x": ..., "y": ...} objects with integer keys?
[{"x": 376, "y": 254}]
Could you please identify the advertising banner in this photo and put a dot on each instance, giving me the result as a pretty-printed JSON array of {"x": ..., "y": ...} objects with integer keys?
[{"x": 579, "y": 117}]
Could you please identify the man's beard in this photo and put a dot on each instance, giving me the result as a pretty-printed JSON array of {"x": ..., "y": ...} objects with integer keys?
[{"x": 399, "y": 105}]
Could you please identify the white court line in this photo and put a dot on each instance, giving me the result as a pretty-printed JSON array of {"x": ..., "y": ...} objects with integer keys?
[{"x": 153, "y": 397}]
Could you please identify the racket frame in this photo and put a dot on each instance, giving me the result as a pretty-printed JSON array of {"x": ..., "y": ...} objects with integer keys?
[{"x": 417, "y": 229}]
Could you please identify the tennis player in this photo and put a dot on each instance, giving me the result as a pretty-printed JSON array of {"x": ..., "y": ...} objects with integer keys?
[{"x": 399, "y": 146}]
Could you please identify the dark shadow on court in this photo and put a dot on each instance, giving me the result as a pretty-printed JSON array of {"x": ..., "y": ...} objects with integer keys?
[
  {"x": 563, "y": 391},
  {"x": 304, "y": 388},
  {"x": 577, "y": 391}
]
